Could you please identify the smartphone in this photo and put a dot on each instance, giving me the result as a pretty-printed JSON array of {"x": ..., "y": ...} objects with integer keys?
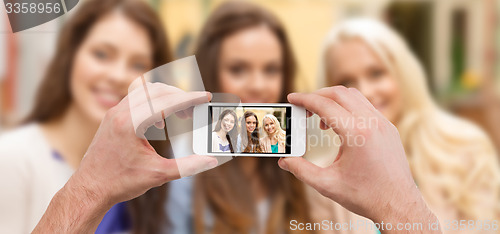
[{"x": 249, "y": 129}]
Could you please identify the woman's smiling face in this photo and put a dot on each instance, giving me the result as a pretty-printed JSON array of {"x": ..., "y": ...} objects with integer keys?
[
  {"x": 115, "y": 51},
  {"x": 251, "y": 65},
  {"x": 352, "y": 63},
  {"x": 251, "y": 123},
  {"x": 227, "y": 123},
  {"x": 269, "y": 126}
]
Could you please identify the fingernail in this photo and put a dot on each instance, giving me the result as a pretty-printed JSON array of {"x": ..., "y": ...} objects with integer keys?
[
  {"x": 159, "y": 124},
  {"x": 209, "y": 96},
  {"x": 283, "y": 164}
]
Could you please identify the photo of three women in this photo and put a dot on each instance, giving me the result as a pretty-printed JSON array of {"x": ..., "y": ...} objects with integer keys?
[{"x": 227, "y": 138}]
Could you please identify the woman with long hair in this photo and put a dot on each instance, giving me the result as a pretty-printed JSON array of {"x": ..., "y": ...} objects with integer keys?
[
  {"x": 101, "y": 49},
  {"x": 453, "y": 161},
  {"x": 225, "y": 132},
  {"x": 244, "y": 50},
  {"x": 248, "y": 139},
  {"x": 275, "y": 139}
]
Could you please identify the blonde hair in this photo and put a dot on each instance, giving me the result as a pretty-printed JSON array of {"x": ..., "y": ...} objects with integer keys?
[
  {"x": 279, "y": 133},
  {"x": 453, "y": 162}
]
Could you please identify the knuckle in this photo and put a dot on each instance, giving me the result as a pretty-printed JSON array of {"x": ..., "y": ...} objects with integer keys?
[
  {"x": 119, "y": 121},
  {"x": 110, "y": 113},
  {"x": 322, "y": 187},
  {"x": 353, "y": 90},
  {"x": 158, "y": 85},
  {"x": 298, "y": 171},
  {"x": 160, "y": 176},
  {"x": 326, "y": 89},
  {"x": 389, "y": 126},
  {"x": 154, "y": 89},
  {"x": 363, "y": 132},
  {"x": 340, "y": 88}
]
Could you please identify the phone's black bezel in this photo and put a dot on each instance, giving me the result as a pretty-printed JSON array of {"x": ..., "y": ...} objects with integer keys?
[{"x": 288, "y": 116}]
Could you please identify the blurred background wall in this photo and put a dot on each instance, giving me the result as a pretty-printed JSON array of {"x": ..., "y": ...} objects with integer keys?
[{"x": 458, "y": 42}]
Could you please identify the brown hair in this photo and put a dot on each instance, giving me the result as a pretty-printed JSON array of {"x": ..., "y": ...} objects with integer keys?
[
  {"x": 250, "y": 140},
  {"x": 224, "y": 191},
  {"x": 54, "y": 95},
  {"x": 232, "y": 135},
  {"x": 228, "y": 18}
]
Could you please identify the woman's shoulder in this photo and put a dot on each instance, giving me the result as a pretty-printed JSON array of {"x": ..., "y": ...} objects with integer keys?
[
  {"x": 20, "y": 134},
  {"x": 264, "y": 139},
  {"x": 22, "y": 141},
  {"x": 462, "y": 138},
  {"x": 215, "y": 138},
  {"x": 22, "y": 153},
  {"x": 464, "y": 130}
]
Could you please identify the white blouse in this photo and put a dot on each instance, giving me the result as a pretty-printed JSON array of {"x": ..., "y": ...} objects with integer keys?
[
  {"x": 217, "y": 143},
  {"x": 30, "y": 175}
]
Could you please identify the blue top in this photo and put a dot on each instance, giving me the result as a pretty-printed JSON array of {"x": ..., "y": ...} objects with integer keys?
[
  {"x": 179, "y": 206},
  {"x": 116, "y": 220},
  {"x": 274, "y": 148},
  {"x": 224, "y": 148}
]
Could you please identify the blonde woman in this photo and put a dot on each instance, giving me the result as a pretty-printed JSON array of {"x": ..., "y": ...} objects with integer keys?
[
  {"x": 453, "y": 162},
  {"x": 275, "y": 139}
]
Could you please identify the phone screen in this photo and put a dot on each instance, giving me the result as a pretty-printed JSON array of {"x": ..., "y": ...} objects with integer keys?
[{"x": 249, "y": 129}]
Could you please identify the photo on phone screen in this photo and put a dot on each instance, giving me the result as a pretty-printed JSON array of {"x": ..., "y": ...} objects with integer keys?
[{"x": 249, "y": 129}]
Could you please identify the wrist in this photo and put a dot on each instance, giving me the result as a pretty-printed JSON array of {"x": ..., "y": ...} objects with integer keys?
[
  {"x": 88, "y": 203},
  {"x": 73, "y": 209},
  {"x": 410, "y": 210},
  {"x": 88, "y": 196}
]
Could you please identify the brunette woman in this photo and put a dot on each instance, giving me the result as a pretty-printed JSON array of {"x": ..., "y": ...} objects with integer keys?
[
  {"x": 243, "y": 50},
  {"x": 101, "y": 49},
  {"x": 248, "y": 140},
  {"x": 225, "y": 133}
]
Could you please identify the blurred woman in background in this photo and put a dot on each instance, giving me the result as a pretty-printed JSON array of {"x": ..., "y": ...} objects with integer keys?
[
  {"x": 243, "y": 50},
  {"x": 101, "y": 49},
  {"x": 248, "y": 139},
  {"x": 225, "y": 132},
  {"x": 275, "y": 139},
  {"x": 453, "y": 161}
]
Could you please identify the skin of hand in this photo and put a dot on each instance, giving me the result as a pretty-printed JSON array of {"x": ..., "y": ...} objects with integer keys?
[
  {"x": 119, "y": 165},
  {"x": 370, "y": 177}
]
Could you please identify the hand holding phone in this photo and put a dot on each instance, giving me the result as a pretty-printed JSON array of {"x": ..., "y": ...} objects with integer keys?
[
  {"x": 118, "y": 165},
  {"x": 372, "y": 179}
]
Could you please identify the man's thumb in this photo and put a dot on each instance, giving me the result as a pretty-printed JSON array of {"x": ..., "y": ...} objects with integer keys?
[{"x": 303, "y": 170}]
